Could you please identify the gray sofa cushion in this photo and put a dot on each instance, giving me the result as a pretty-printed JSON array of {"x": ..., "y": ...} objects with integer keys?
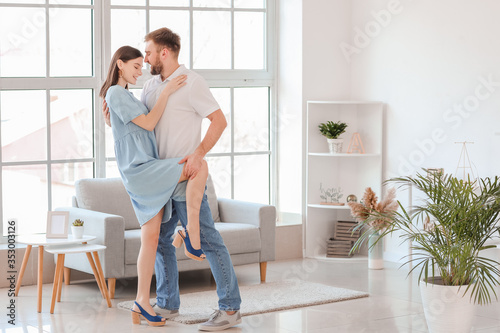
[
  {"x": 239, "y": 238},
  {"x": 106, "y": 195},
  {"x": 132, "y": 246}
]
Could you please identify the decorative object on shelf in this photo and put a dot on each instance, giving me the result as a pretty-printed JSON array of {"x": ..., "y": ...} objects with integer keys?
[
  {"x": 346, "y": 230},
  {"x": 433, "y": 172},
  {"x": 344, "y": 237},
  {"x": 465, "y": 164},
  {"x": 448, "y": 230},
  {"x": 77, "y": 228},
  {"x": 356, "y": 145},
  {"x": 332, "y": 131},
  {"x": 331, "y": 196},
  {"x": 363, "y": 212},
  {"x": 338, "y": 248},
  {"x": 57, "y": 224},
  {"x": 351, "y": 198}
]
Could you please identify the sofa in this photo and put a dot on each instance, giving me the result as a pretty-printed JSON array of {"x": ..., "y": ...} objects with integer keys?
[{"x": 248, "y": 230}]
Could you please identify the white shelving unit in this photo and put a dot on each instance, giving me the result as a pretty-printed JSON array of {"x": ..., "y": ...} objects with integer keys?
[{"x": 352, "y": 172}]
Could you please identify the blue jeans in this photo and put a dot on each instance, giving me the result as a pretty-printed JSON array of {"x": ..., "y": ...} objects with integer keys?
[{"x": 167, "y": 275}]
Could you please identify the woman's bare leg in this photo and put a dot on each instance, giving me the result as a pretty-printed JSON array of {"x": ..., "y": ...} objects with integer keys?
[
  {"x": 194, "y": 194},
  {"x": 150, "y": 231}
]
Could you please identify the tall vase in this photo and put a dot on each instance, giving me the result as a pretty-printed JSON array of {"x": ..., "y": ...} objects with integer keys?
[{"x": 375, "y": 251}]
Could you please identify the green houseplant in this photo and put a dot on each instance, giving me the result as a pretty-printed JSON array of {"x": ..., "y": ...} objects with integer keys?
[
  {"x": 448, "y": 230},
  {"x": 332, "y": 130}
]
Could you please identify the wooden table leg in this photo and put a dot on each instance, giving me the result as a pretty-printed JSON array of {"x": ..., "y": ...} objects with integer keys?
[
  {"x": 40, "y": 277},
  {"x": 23, "y": 268},
  {"x": 59, "y": 265},
  {"x": 111, "y": 287},
  {"x": 101, "y": 277},
  {"x": 59, "y": 285},
  {"x": 96, "y": 273}
]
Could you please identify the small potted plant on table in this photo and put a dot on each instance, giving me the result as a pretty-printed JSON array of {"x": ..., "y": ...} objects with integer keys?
[
  {"x": 77, "y": 228},
  {"x": 332, "y": 131}
]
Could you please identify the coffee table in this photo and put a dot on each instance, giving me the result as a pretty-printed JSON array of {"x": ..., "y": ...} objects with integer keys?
[
  {"x": 41, "y": 241},
  {"x": 95, "y": 263}
]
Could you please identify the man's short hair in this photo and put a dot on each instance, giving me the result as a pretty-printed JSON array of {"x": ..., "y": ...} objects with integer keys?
[{"x": 164, "y": 37}]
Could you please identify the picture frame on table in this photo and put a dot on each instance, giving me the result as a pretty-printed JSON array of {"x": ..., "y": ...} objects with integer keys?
[{"x": 57, "y": 224}]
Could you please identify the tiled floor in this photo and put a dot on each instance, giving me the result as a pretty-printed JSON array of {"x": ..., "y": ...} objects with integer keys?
[{"x": 393, "y": 306}]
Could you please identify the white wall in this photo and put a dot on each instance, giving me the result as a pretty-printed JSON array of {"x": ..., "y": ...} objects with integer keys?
[
  {"x": 429, "y": 64},
  {"x": 429, "y": 61},
  {"x": 289, "y": 105}
]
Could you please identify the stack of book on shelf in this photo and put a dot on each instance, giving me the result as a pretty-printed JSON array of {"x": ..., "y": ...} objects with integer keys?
[{"x": 344, "y": 238}]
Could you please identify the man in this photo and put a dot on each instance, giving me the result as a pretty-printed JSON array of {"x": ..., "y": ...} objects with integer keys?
[{"x": 178, "y": 134}]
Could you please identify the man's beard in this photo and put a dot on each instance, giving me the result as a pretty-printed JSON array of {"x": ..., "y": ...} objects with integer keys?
[{"x": 157, "y": 68}]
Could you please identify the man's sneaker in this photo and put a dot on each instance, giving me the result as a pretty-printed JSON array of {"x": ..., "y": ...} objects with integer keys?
[
  {"x": 220, "y": 320},
  {"x": 167, "y": 314}
]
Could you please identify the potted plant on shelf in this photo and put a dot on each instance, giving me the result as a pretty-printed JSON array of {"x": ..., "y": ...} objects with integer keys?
[
  {"x": 361, "y": 211},
  {"x": 332, "y": 131},
  {"x": 77, "y": 228},
  {"x": 448, "y": 230}
]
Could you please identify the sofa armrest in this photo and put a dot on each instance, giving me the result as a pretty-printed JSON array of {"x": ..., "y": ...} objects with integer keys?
[
  {"x": 262, "y": 216},
  {"x": 110, "y": 231}
]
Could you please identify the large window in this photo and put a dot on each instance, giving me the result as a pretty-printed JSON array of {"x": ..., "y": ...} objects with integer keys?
[{"x": 53, "y": 58}]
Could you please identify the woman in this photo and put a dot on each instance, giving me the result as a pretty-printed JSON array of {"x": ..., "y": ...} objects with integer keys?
[{"x": 148, "y": 180}]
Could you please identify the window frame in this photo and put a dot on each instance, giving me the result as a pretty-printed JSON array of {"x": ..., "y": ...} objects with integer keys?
[{"x": 101, "y": 53}]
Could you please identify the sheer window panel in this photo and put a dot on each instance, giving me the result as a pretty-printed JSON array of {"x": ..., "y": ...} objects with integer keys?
[
  {"x": 212, "y": 3},
  {"x": 178, "y": 22},
  {"x": 128, "y": 27},
  {"x": 24, "y": 125},
  {"x": 110, "y": 142},
  {"x": 251, "y": 119},
  {"x": 71, "y": 124},
  {"x": 220, "y": 170},
  {"x": 112, "y": 170},
  {"x": 24, "y": 197},
  {"x": 38, "y": 2},
  {"x": 169, "y": 3},
  {"x": 249, "y": 50},
  {"x": 64, "y": 176},
  {"x": 128, "y": 2},
  {"x": 254, "y": 4},
  {"x": 22, "y": 42},
  {"x": 212, "y": 40},
  {"x": 223, "y": 97},
  {"x": 71, "y": 49},
  {"x": 71, "y": 2},
  {"x": 251, "y": 178}
]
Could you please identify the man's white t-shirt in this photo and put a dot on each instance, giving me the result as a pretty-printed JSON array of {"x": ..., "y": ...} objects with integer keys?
[{"x": 178, "y": 133}]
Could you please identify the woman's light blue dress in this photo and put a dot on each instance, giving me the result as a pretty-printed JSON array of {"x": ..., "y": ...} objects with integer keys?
[{"x": 148, "y": 180}]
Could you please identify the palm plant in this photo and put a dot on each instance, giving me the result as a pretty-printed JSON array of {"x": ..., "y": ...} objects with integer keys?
[{"x": 456, "y": 220}]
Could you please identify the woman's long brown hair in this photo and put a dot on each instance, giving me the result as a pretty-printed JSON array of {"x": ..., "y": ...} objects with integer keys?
[{"x": 124, "y": 53}]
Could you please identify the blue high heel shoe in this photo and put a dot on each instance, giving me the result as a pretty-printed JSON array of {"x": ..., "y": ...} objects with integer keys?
[
  {"x": 152, "y": 320},
  {"x": 181, "y": 236}
]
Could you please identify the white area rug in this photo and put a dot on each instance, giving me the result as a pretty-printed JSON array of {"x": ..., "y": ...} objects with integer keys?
[{"x": 267, "y": 297}]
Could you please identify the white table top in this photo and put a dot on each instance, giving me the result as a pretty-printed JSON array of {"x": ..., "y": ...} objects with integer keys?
[
  {"x": 41, "y": 239},
  {"x": 82, "y": 248}
]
